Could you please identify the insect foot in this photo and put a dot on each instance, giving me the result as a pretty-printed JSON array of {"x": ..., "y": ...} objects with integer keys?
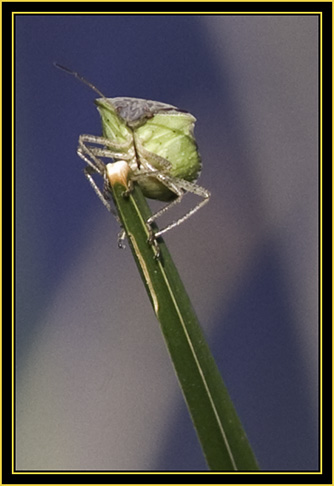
[
  {"x": 128, "y": 191},
  {"x": 152, "y": 240},
  {"x": 120, "y": 240}
]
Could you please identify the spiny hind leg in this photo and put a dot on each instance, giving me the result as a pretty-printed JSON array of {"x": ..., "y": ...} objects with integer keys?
[{"x": 179, "y": 187}]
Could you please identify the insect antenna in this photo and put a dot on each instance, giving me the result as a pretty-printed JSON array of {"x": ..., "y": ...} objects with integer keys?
[{"x": 80, "y": 78}]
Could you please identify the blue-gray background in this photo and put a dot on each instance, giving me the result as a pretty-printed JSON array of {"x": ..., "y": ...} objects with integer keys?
[{"x": 95, "y": 387}]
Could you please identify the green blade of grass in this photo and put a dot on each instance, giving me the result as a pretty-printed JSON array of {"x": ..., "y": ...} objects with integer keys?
[{"x": 223, "y": 440}]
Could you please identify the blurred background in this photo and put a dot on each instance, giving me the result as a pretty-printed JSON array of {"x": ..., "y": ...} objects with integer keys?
[{"x": 95, "y": 387}]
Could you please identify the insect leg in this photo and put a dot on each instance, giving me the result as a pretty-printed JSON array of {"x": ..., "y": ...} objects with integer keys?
[
  {"x": 88, "y": 171},
  {"x": 96, "y": 166},
  {"x": 110, "y": 150},
  {"x": 106, "y": 152},
  {"x": 105, "y": 142},
  {"x": 179, "y": 187},
  {"x": 88, "y": 156}
]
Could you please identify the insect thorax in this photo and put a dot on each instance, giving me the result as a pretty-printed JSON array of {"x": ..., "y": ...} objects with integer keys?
[{"x": 135, "y": 111}]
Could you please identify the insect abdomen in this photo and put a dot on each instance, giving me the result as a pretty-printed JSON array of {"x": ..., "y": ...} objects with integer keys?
[{"x": 171, "y": 136}]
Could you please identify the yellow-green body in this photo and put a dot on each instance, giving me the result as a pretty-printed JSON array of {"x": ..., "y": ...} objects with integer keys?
[{"x": 148, "y": 135}]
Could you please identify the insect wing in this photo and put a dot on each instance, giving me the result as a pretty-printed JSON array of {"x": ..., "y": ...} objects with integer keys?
[{"x": 170, "y": 135}]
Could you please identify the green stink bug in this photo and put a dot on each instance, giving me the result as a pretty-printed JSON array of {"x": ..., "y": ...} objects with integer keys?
[{"x": 156, "y": 140}]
